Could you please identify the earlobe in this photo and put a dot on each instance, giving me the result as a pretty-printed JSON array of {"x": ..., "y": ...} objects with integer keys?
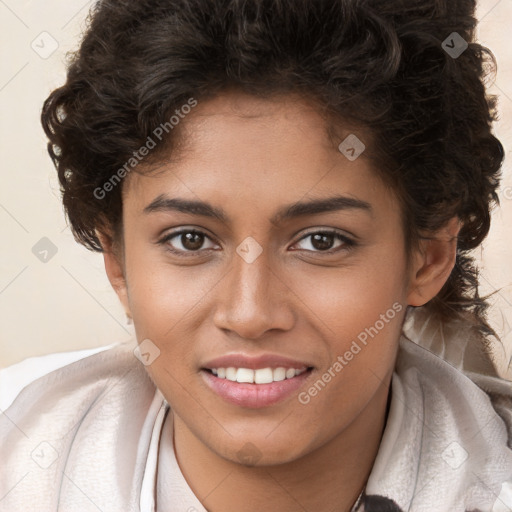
[
  {"x": 433, "y": 263},
  {"x": 115, "y": 270}
]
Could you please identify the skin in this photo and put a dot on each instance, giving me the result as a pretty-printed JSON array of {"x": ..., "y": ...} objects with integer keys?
[{"x": 251, "y": 157}]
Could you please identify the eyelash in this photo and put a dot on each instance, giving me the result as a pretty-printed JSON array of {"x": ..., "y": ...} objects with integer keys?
[{"x": 348, "y": 243}]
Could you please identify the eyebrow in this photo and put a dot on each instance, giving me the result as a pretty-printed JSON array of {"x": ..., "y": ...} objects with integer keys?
[{"x": 163, "y": 203}]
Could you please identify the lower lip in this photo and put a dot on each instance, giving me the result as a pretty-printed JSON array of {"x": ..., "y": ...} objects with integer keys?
[{"x": 254, "y": 395}]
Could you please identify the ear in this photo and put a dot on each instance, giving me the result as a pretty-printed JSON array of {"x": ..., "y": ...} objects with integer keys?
[
  {"x": 114, "y": 268},
  {"x": 433, "y": 263}
]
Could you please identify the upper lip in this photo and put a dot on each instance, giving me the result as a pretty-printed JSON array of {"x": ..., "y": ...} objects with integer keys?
[{"x": 255, "y": 362}]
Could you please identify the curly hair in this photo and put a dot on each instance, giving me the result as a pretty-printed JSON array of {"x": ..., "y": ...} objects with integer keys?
[{"x": 380, "y": 64}]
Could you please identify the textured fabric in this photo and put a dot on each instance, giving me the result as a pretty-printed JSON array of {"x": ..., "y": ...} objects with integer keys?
[
  {"x": 77, "y": 438},
  {"x": 444, "y": 446},
  {"x": 93, "y": 436}
]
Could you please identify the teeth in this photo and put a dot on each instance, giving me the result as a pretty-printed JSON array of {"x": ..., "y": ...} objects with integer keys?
[
  {"x": 244, "y": 375},
  {"x": 263, "y": 376},
  {"x": 290, "y": 373},
  {"x": 231, "y": 373},
  {"x": 279, "y": 374},
  {"x": 260, "y": 376}
]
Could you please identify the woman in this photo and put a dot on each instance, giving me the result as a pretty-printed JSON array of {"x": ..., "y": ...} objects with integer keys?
[{"x": 276, "y": 187}]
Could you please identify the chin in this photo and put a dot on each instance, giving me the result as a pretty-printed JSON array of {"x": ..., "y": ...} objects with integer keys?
[{"x": 258, "y": 451}]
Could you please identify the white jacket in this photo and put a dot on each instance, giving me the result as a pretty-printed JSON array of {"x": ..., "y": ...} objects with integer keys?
[{"x": 84, "y": 437}]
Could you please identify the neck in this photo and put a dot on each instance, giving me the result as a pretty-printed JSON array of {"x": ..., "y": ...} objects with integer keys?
[{"x": 327, "y": 479}]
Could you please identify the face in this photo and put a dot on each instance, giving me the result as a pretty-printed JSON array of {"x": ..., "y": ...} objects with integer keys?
[{"x": 264, "y": 247}]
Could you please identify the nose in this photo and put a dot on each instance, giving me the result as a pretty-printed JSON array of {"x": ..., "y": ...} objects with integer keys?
[{"x": 253, "y": 299}]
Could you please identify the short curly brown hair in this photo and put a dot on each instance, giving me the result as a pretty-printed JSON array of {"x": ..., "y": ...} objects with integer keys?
[{"x": 382, "y": 64}]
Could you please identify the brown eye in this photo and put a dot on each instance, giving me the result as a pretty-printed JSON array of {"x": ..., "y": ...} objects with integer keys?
[
  {"x": 192, "y": 241},
  {"x": 322, "y": 242},
  {"x": 186, "y": 241},
  {"x": 325, "y": 241}
]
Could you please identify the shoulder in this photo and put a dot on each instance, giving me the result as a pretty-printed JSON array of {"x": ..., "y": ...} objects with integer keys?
[
  {"x": 17, "y": 376},
  {"x": 451, "y": 351},
  {"x": 499, "y": 392},
  {"x": 82, "y": 415},
  {"x": 66, "y": 375},
  {"x": 47, "y": 384},
  {"x": 457, "y": 390},
  {"x": 471, "y": 411}
]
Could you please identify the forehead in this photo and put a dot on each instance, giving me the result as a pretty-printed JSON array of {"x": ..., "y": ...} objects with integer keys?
[
  {"x": 264, "y": 149},
  {"x": 255, "y": 124}
]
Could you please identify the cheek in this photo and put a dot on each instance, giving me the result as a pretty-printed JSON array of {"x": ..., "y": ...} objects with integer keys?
[
  {"x": 165, "y": 303},
  {"x": 359, "y": 310},
  {"x": 360, "y": 326},
  {"x": 353, "y": 297},
  {"x": 161, "y": 294}
]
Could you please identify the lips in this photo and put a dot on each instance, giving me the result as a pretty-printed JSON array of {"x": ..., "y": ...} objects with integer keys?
[{"x": 255, "y": 382}]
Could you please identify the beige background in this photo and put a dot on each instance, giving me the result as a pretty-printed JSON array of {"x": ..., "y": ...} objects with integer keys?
[{"x": 66, "y": 303}]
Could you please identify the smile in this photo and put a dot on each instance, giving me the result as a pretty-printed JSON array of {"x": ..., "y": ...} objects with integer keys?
[
  {"x": 260, "y": 376},
  {"x": 254, "y": 389}
]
